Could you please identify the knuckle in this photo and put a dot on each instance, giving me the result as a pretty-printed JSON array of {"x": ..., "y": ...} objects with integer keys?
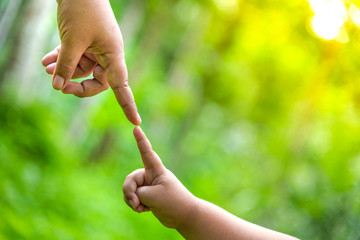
[
  {"x": 126, "y": 183},
  {"x": 148, "y": 153},
  {"x": 125, "y": 190},
  {"x": 106, "y": 86},
  {"x": 113, "y": 58},
  {"x": 127, "y": 196},
  {"x": 124, "y": 105},
  {"x": 64, "y": 69},
  {"x": 120, "y": 87},
  {"x": 84, "y": 71}
]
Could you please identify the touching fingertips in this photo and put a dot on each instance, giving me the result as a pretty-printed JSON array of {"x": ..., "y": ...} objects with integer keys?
[
  {"x": 138, "y": 119},
  {"x": 137, "y": 133}
]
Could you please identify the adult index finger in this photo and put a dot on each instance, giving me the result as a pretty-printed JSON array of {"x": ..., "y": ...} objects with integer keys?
[{"x": 118, "y": 79}]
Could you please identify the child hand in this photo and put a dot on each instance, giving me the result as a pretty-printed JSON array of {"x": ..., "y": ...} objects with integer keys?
[
  {"x": 157, "y": 189},
  {"x": 87, "y": 65}
]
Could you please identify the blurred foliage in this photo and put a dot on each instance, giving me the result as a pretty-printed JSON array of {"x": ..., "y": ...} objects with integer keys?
[{"x": 241, "y": 99}]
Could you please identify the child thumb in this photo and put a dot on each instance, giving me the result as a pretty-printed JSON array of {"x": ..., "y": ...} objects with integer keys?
[{"x": 148, "y": 195}]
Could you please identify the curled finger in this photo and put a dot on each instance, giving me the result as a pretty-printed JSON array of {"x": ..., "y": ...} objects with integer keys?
[{"x": 89, "y": 87}]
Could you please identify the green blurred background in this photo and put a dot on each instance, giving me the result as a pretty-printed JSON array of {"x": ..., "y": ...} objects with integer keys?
[{"x": 245, "y": 101}]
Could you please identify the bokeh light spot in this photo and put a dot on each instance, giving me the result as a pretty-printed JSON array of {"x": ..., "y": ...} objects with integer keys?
[
  {"x": 354, "y": 14},
  {"x": 329, "y": 17},
  {"x": 228, "y": 6}
]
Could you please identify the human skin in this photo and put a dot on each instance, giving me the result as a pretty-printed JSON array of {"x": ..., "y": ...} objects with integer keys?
[
  {"x": 92, "y": 42},
  {"x": 88, "y": 64},
  {"x": 154, "y": 188},
  {"x": 89, "y": 28}
]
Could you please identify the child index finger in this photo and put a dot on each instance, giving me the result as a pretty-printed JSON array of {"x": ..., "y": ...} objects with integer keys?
[{"x": 150, "y": 159}]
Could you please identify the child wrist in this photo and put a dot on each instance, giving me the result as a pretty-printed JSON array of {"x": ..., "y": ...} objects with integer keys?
[{"x": 190, "y": 214}]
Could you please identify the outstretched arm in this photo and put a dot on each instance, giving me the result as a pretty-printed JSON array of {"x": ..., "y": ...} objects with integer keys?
[
  {"x": 208, "y": 221},
  {"x": 156, "y": 189}
]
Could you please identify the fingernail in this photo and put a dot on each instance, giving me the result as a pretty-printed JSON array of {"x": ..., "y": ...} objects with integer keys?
[
  {"x": 138, "y": 115},
  {"x": 131, "y": 202},
  {"x": 58, "y": 82}
]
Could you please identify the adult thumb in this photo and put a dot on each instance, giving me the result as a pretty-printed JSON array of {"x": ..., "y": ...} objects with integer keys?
[{"x": 68, "y": 59}]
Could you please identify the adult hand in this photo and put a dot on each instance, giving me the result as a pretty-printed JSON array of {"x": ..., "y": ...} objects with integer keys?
[
  {"x": 87, "y": 65},
  {"x": 89, "y": 27}
]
